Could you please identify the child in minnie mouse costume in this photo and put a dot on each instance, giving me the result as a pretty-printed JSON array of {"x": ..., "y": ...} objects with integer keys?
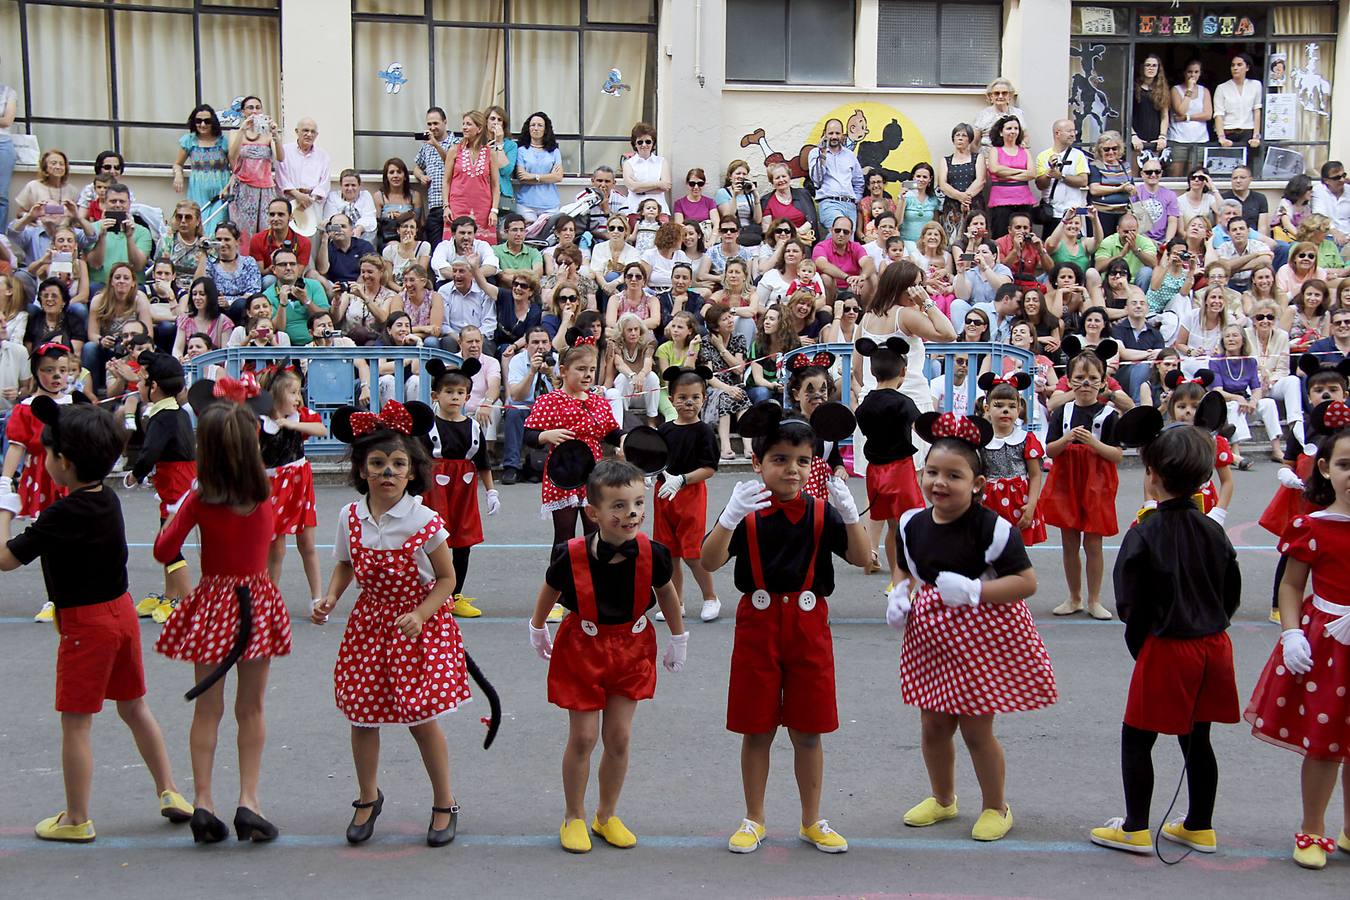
[
  {"x": 459, "y": 461},
  {"x": 971, "y": 650},
  {"x": 782, "y": 661},
  {"x": 1013, "y": 456},
  {"x": 1177, "y": 586}
]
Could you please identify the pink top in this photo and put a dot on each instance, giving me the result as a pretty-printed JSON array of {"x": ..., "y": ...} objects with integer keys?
[
  {"x": 695, "y": 212},
  {"x": 1014, "y": 193},
  {"x": 253, "y": 165},
  {"x": 849, "y": 261}
]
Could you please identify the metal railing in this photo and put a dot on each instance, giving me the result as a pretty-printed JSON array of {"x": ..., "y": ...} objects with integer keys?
[{"x": 331, "y": 376}]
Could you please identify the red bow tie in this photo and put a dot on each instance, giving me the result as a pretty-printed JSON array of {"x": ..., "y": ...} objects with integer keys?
[
  {"x": 393, "y": 415},
  {"x": 794, "y": 509}
]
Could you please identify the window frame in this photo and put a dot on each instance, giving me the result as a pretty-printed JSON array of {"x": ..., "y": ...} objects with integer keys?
[
  {"x": 581, "y": 29},
  {"x": 787, "y": 80},
  {"x": 937, "y": 81},
  {"x": 110, "y": 8}
]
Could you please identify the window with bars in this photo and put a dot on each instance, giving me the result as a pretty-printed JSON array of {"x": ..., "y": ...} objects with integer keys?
[
  {"x": 554, "y": 56},
  {"x": 934, "y": 43},
  {"x": 93, "y": 75},
  {"x": 790, "y": 41}
]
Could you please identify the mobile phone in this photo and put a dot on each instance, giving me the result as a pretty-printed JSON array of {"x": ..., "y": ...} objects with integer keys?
[
  {"x": 422, "y": 136},
  {"x": 967, "y": 257},
  {"x": 53, "y": 209},
  {"x": 62, "y": 263},
  {"x": 117, "y": 218},
  {"x": 1085, "y": 211}
]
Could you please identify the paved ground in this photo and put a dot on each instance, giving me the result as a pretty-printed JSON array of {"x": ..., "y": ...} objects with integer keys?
[{"x": 683, "y": 793}]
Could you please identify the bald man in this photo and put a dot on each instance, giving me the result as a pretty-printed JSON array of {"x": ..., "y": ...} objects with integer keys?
[
  {"x": 304, "y": 172},
  {"x": 1062, "y": 173}
]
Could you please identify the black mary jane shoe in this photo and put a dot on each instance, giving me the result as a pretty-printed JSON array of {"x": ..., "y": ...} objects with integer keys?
[
  {"x": 206, "y": 828},
  {"x": 359, "y": 834},
  {"x": 249, "y": 826},
  {"x": 439, "y": 837}
]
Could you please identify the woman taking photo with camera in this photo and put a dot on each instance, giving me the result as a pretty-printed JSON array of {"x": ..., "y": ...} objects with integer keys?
[
  {"x": 254, "y": 147},
  {"x": 737, "y": 200}
]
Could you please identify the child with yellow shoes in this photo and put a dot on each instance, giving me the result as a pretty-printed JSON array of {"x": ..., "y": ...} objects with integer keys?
[
  {"x": 604, "y": 659},
  {"x": 1177, "y": 586},
  {"x": 99, "y": 657}
]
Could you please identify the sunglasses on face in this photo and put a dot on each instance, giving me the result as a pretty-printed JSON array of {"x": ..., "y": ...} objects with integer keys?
[
  {"x": 842, "y": 230},
  {"x": 568, "y": 298},
  {"x": 852, "y": 309},
  {"x": 201, "y": 121},
  {"x": 632, "y": 276},
  {"x": 1343, "y": 323},
  {"x": 974, "y": 323},
  {"x": 1110, "y": 149},
  {"x": 1264, "y": 317},
  {"x": 1197, "y": 178},
  {"x": 1339, "y": 176},
  {"x": 643, "y": 142},
  {"x": 1305, "y": 256},
  {"x": 782, "y": 231},
  {"x": 1152, "y": 171},
  {"x": 111, "y": 167},
  {"x": 521, "y": 285},
  {"x": 696, "y": 183},
  {"x": 728, "y": 230}
]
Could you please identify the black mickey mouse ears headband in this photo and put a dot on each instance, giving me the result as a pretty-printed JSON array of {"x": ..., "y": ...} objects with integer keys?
[
  {"x": 867, "y": 347},
  {"x": 206, "y": 393},
  {"x": 48, "y": 412},
  {"x": 413, "y": 419},
  {"x": 1326, "y": 418},
  {"x": 673, "y": 372},
  {"x": 468, "y": 368},
  {"x": 831, "y": 421},
  {"x": 1311, "y": 364},
  {"x": 571, "y": 463},
  {"x": 1019, "y": 380},
  {"x": 1073, "y": 345},
  {"x": 1142, "y": 424},
  {"x": 1202, "y": 377}
]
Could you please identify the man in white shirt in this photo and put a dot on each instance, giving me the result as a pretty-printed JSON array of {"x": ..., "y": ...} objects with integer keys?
[
  {"x": 470, "y": 299},
  {"x": 1062, "y": 171},
  {"x": 836, "y": 174},
  {"x": 1237, "y": 108},
  {"x": 357, "y": 204},
  {"x": 1331, "y": 200},
  {"x": 464, "y": 243},
  {"x": 529, "y": 375},
  {"x": 1243, "y": 253}
]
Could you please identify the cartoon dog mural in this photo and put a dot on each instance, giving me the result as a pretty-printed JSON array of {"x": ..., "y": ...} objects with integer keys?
[{"x": 871, "y": 154}]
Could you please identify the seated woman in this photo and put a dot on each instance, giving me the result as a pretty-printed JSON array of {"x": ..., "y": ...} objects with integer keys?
[
  {"x": 183, "y": 247},
  {"x": 565, "y": 230},
  {"x": 394, "y": 198},
  {"x": 739, "y": 296},
  {"x": 54, "y": 322},
  {"x": 361, "y": 309},
  {"x": 1302, "y": 266},
  {"x": 696, "y": 208},
  {"x": 517, "y": 311},
  {"x": 737, "y": 200},
  {"x": 202, "y": 316},
  {"x": 1269, "y": 345},
  {"x": 118, "y": 303},
  {"x": 561, "y": 308},
  {"x": 569, "y": 271},
  {"x": 875, "y": 200},
  {"x": 1305, "y": 317},
  {"x": 775, "y": 337},
  {"x": 725, "y": 352},
  {"x": 425, "y": 307},
  {"x": 407, "y": 250},
  {"x": 64, "y": 262},
  {"x": 769, "y": 255},
  {"x": 398, "y": 332},
  {"x": 844, "y": 327},
  {"x": 609, "y": 257},
  {"x": 356, "y": 203},
  {"x": 1201, "y": 333},
  {"x": 681, "y": 298},
  {"x": 166, "y": 303},
  {"x": 254, "y": 307},
  {"x": 630, "y": 381},
  {"x": 785, "y": 201},
  {"x": 663, "y": 255},
  {"x": 1237, "y": 378},
  {"x": 52, "y": 186},
  {"x": 634, "y": 299},
  {"x": 802, "y": 315},
  {"x": 236, "y": 275}
]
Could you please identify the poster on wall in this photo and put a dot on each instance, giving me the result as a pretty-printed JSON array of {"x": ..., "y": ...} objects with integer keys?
[
  {"x": 1282, "y": 164},
  {"x": 1281, "y": 117},
  {"x": 1096, "y": 20},
  {"x": 1221, "y": 161},
  {"x": 1277, "y": 71}
]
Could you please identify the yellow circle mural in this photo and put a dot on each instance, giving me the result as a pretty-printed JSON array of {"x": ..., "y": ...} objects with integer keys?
[{"x": 882, "y": 137}]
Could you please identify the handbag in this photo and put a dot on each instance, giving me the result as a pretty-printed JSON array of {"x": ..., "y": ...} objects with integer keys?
[{"x": 26, "y": 149}]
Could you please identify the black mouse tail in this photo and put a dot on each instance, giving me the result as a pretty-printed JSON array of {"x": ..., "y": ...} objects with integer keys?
[
  {"x": 240, "y": 645},
  {"x": 494, "y": 720}
]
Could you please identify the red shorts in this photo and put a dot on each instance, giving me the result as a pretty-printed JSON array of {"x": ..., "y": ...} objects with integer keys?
[
  {"x": 782, "y": 668},
  {"x": 1178, "y": 681},
  {"x": 680, "y": 524},
  {"x": 892, "y": 489},
  {"x": 172, "y": 481},
  {"x": 586, "y": 670},
  {"x": 99, "y": 657}
]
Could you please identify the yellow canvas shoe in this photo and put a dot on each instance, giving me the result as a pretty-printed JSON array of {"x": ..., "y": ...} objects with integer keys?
[
  {"x": 930, "y": 812},
  {"x": 464, "y": 607},
  {"x": 574, "y": 836},
  {"x": 747, "y": 838},
  {"x": 1202, "y": 840},
  {"x": 556, "y": 613},
  {"x": 615, "y": 833},
  {"x": 174, "y": 807},
  {"x": 146, "y": 607},
  {"x": 1275, "y": 616},
  {"x": 47, "y": 613},
  {"x": 826, "y": 839},
  {"x": 163, "y": 611},
  {"x": 50, "y": 829},
  {"x": 1114, "y": 835},
  {"x": 992, "y": 825},
  {"x": 1310, "y": 850}
]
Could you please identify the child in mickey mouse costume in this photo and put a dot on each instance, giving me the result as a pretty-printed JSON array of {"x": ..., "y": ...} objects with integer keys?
[
  {"x": 782, "y": 661},
  {"x": 1302, "y": 699},
  {"x": 971, "y": 650}
]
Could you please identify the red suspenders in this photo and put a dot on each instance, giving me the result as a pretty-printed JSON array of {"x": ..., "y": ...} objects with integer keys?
[
  {"x": 761, "y": 597},
  {"x": 585, "y": 588}
]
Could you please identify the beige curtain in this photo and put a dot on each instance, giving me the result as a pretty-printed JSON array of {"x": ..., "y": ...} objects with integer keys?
[
  {"x": 470, "y": 70},
  {"x": 378, "y": 45},
  {"x": 1310, "y": 126},
  {"x": 544, "y": 76},
  {"x": 608, "y": 115}
]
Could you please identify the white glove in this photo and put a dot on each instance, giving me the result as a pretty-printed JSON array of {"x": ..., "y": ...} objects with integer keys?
[
  {"x": 841, "y": 498},
  {"x": 671, "y": 487},
  {"x": 10, "y": 503},
  {"x": 676, "y": 650},
  {"x": 958, "y": 590},
  {"x": 898, "y": 605},
  {"x": 1297, "y": 654},
  {"x": 746, "y": 497},
  {"x": 1218, "y": 514},
  {"x": 129, "y": 481},
  {"x": 6, "y": 484},
  {"x": 541, "y": 641},
  {"x": 1289, "y": 478},
  {"x": 494, "y": 502}
]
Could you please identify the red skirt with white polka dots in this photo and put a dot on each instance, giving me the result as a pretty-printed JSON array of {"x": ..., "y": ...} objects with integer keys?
[
  {"x": 818, "y": 480},
  {"x": 1008, "y": 498},
  {"x": 383, "y": 677},
  {"x": 974, "y": 661},
  {"x": 293, "y": 506},
  {"x": 37, "y": 489},
  {"x": 1309, "y": 714},
  {"x": 204, "y": 627}
]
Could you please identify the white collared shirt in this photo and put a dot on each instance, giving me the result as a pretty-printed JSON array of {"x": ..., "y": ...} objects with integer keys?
[
  {"x": 1237, "y": 106},
  {"x": 391, "y": 531}
]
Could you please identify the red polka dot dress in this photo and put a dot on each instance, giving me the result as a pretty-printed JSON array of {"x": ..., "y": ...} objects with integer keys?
[
  {"x": 1310, "y": 713},
  {"x": 1223, "y": 458},
  {"x": 1008, "y": 488},
  {"x": 234, "y": 554},
  {"x": 827, "y": 458},
  {"x": 589, "y": 419},
  {"x": 1289, "y": 503},
  {"x": 36, "y": 489},
  {"x": 383, "y": 677},
  {"x": 969, "y": 661},
  {"x": 283, "y": 452}
]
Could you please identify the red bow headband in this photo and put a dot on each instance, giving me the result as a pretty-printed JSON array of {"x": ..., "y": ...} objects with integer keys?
[
  {"x": 586, "y": 340},
  {"x": 52, "y": 345},
  {"x": 393, "y": 415},
  {"x": 802, "y": 361},
  {"x": 1005, "y": 380},
  {"x": 1337, "y": 415},
  {"x": 950, "y": 425},
  {"x": 237, "y": 390}
]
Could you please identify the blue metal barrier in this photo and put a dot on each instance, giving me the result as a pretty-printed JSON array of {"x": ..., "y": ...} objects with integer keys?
[
  {"x": 331, "y": 377},
  {"x": 975, "y": 352}
]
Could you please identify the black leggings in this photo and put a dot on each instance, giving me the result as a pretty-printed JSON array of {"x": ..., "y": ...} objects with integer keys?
[
  {"x": 1279, "y": 576},
  {"x": 565, "y": 524},
  {"x": 1136, "y": 766},
  {"x": 460, "y": 557}
]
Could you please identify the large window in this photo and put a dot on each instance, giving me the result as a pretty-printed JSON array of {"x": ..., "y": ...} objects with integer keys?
[
  {"x": 98, "y": 74},
  {"x": 790, "y": 41},
  {"x": 522, "y": 55},
  {"x": 1292, "y": 46},
  {"x": 938, "y": 44}
]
